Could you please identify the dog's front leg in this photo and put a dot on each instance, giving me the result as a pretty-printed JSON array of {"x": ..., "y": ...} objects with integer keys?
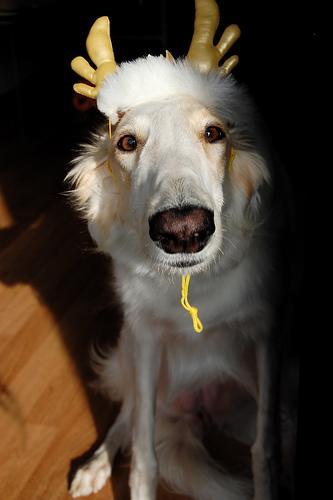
[
  {"x": 264, "y": 456},
  {"x": 144, "y": 470}
]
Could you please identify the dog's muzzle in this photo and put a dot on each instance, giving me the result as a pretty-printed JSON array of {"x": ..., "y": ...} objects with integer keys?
[{"x": 182, "y": 230}]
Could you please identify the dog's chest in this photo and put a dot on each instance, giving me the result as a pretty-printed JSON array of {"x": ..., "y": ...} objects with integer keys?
[{"x": 217, "y": 300}]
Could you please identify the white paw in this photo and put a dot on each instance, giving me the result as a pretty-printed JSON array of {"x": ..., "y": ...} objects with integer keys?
[{"x": 92, "y": 476}]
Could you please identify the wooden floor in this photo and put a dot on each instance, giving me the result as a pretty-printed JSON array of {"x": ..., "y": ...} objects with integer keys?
[{"x": 53, "y": 304}]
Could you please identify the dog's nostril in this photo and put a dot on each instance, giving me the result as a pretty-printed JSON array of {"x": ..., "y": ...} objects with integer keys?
[{"x": 182, "y": 230}]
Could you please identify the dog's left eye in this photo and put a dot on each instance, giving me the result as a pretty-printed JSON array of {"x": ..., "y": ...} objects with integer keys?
[
  {"x": 214, "y": 134},
  {"x": 127, "y": 143}
]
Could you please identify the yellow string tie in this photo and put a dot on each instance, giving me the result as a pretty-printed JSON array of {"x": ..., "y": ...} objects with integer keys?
[
  {"x": 110, "y": 168},
  {"x": 231, "y": 158},
  {"x": 193, "y": 311},
  {"x": 109, "y": 162}
]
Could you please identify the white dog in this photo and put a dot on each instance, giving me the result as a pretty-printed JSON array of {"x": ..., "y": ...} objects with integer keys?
[{"x": 190, "y": 193}]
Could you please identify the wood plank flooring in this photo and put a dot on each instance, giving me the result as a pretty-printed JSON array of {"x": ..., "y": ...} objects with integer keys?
[{"x": 53, "y": 304}]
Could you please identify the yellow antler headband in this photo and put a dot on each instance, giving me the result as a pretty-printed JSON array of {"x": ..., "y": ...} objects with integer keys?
[
  {"x": 99, "y": 48},
  {"x": 202, "y": 52}
]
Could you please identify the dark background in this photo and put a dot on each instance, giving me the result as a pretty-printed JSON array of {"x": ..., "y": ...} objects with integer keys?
[{"x": 279, "y": 51}]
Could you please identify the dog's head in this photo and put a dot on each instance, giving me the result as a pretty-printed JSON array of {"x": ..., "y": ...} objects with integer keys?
[{"x": 186, "y": 168}]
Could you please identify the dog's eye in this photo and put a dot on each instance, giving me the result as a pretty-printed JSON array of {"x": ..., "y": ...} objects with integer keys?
[
  {"x": 214, "y": 134},
  {"x": 127, "y": 143}
]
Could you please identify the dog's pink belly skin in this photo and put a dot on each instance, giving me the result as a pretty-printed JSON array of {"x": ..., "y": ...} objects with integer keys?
[
  {"x": 215, "y": 400},
  {"x": 186, "y": 402}
]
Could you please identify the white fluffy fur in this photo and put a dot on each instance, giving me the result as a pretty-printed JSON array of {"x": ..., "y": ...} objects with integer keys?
[
  {"x": 167, "y": 107},
  {"x": 156, "y": 78}
]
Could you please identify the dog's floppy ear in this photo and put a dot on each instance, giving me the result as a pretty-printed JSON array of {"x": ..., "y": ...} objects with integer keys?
[
  {"x": 96, "y": 193},
  {"x": 248, "y": 177}
]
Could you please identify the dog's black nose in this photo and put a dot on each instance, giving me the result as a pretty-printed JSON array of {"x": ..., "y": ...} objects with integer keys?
[{"x": 182, "y": 230}]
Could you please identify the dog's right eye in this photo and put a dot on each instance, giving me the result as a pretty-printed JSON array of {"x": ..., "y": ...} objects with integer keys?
[
  {"x": 214, "y": 134},
  {"x": 127, "y": 143}
]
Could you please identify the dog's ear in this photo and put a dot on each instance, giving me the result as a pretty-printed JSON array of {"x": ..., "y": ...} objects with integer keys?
[
  {"x": 249, "y": 176},
  {"x": 97, "y": 193}
]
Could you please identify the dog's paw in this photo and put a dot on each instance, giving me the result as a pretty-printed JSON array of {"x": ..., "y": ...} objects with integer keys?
[{"x": 92, "y": 476}]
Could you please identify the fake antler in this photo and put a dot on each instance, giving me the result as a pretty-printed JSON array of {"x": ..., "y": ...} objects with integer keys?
[
  {"x": 203, "y": 53},
  {"x": 99, "y": 48}
]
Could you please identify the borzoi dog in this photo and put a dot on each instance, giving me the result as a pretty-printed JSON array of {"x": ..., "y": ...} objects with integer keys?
[{"x": 184, "y": 187}]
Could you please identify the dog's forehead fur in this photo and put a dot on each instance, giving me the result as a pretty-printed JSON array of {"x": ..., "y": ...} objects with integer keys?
[
  {"x": 156, "y": 79},
  {"x": 155, "y": 116}
]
